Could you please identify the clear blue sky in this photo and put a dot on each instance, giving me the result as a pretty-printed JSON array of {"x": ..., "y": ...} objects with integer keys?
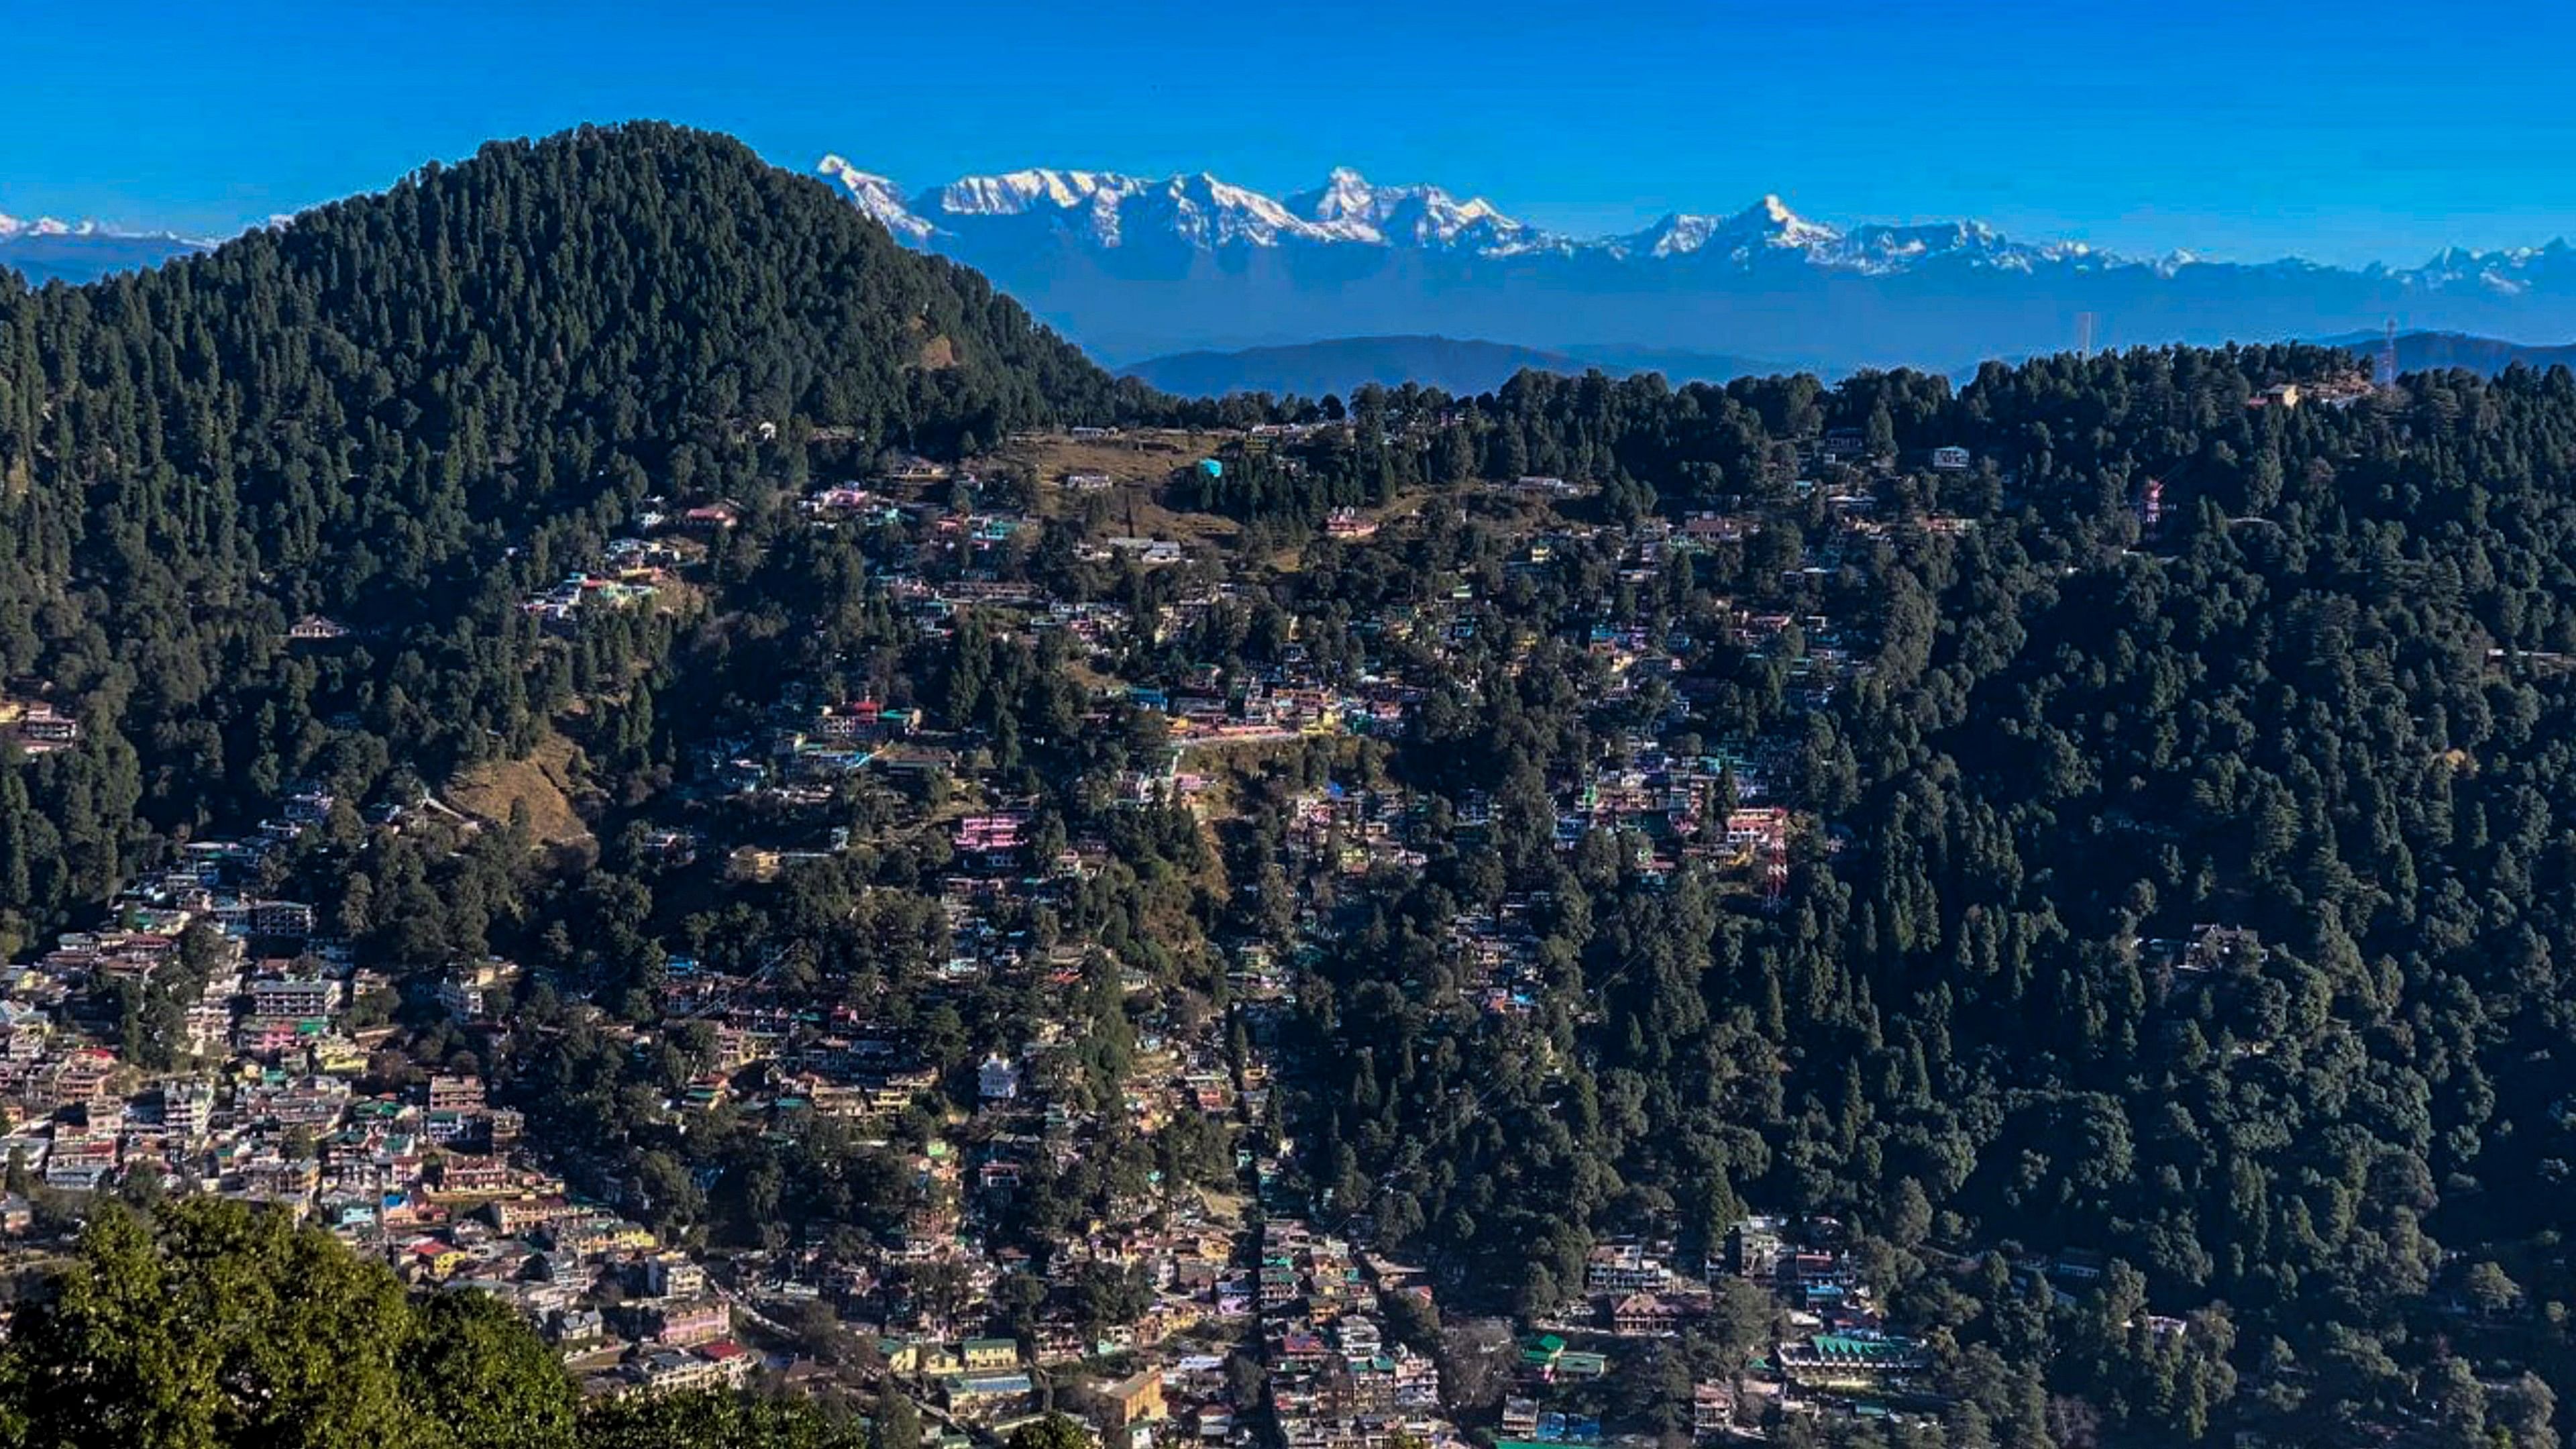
[{"x": 2350, "y": 132}]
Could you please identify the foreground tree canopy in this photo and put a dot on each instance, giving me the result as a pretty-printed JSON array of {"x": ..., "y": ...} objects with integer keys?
[{"x": 213, "y": 1324}]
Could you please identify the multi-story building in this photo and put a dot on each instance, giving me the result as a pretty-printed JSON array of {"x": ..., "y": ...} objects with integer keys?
[
  {"x": 188, "y": 1106},
  {"x": 456, "y": 1094},
  {"x": 479, "y": 992},
  {"x": 293, "y": 997},
  {"x": 1622, "y": 1268},
  {"x": 673, "y": 1275},
  {"x": 687, "y": 1322}
]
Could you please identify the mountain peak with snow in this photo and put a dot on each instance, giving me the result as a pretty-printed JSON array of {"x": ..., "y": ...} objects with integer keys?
[
  {"x": 1771, "y": 220},
  {"x": 1673, "y": 234},
  {"x": 1352, "y": 208},
  {"x": 1345, "y": 196},
  {"x": 876, "y": 196},
  {"x": 1767, "y": 225},
  {"x": 1018, "y": 193},
  {"x": 1123, "y": 212},
  {"x": 11, "y": 226},
  {"x": 47, "y": 248}
]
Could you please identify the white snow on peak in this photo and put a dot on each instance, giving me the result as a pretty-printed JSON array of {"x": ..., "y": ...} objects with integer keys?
[
  {"x": 1112, "y": 209},
  {"x": 1090, "y": 203},
  {"x": 1239, "y": 211},
  {"x": 1347, "y": 207},
  {"x": 1016, "y": 193},
  {"x": 1677, "y": 234},
  {"x": 1773, "y": 221},
  {"x": 1346, "y": 196},
  {"x": 18, "y": 228},
  {"x": 12, "y": 227},
  {"x": 1765, "y": 226},
  {"x": 2509, "y": 272},
  {"x": 1200, "y": 209},
  {"x": 876, "y": 196},
  {"x": 1109, "y": 209}
]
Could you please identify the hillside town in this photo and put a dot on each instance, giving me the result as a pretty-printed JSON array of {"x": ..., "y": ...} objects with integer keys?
[{"x": 210, "y": 1035}]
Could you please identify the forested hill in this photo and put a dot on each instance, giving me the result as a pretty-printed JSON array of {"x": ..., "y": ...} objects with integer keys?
[{"x": 398, "y": 411}]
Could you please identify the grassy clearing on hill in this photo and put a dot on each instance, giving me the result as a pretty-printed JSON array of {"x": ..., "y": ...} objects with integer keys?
[
  {"x": 547, "y": 780},
  {"x": 1139, "y": 465}
]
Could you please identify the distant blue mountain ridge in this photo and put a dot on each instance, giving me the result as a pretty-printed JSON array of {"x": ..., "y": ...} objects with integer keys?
[
  {"x": 1455, "y": 365},
  {"x": 1338, "y": 365}
]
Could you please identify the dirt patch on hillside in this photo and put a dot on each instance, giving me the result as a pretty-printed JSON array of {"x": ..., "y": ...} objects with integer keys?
[
  {"x": 1139, "y": 457},
  {"x": 547, "y": 781},
  {"x": 1139, "y": 466}
]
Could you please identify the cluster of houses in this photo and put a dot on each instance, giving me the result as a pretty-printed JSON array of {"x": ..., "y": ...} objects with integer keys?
[
  {"x": 581, "y": 591},
  {"x": 781, "y": 1058},
  {"x": 1336, "y": 1380},
  {"x": 628, "y": 1313},
  {"x": 267, "y": 1106},
  {"x": 253, "y": 1084}
]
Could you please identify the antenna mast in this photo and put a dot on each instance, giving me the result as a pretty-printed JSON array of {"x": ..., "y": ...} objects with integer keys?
[
  {"x": 2384, "y": 375},
  {"x": 2083, "y": 334}
]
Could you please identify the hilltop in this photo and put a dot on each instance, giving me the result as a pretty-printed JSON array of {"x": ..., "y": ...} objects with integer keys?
[{"x": 2435, "y": 351}]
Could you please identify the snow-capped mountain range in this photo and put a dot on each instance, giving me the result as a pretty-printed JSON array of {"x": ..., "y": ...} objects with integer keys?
[
  {"x": 1106, "y": 209},
  {"x": 11, "y": 226},
  {"x": 46, "y": 248},
  {"x": 1134, "y": 265}
]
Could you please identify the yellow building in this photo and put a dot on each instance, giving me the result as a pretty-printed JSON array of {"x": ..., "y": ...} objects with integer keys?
[{"x": 1136, "y": 1399}]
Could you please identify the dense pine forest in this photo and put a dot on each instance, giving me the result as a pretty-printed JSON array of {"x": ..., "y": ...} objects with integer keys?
[
  {"x": 2313, "y": 705},
  {"x": 2323, "y": 705},
  {"x": 403, "y": 412}
]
